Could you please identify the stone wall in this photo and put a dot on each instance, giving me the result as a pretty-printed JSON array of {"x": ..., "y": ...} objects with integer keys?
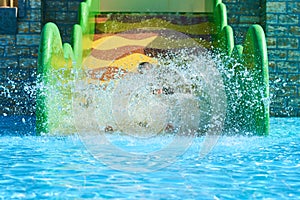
[
  {"x": 281, "y": 22},
  {"x": 18, "y": 60},
  {"x": 64, "y": 13},
  {"x": 19, "y": 50},
  {"x": 241, "y": 14},
  {"x": 283, "y": 37}
]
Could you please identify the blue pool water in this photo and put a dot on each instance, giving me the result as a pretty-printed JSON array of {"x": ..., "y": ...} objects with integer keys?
[{"x": 241, "y": 167}]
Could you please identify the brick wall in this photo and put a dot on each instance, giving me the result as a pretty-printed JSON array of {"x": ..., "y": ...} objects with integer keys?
[
  {"x": 64, "y": 13},
  {"x": 19, "y": 51},
  {"x": 18, "y": 60},
  {"x": 241, "y": 14},
  {"x": 281, "y": 22},
  {"x": 283, "y": 38}
]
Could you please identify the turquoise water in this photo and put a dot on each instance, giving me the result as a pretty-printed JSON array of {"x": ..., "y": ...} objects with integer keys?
[{"x": 241, "y": 167}]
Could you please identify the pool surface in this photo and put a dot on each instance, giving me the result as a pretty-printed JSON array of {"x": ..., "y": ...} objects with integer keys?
[{"x": 241, "y": 167}]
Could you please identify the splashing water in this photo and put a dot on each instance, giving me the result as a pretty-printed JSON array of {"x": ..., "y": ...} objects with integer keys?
[
  {"x": 185, "y": 93},
  {"x": 181, "y": 95},
  {"x": 164, "y": 94},
  {"x": 177, "y": 91}
]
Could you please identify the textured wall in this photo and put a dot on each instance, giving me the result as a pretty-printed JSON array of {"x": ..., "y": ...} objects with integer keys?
[
  {"x": 241, "y": 14},
  {"x": 64, "y": 13},
  {"x": 281, "y": 22},
  {"x": 19, "y": 51},
  {"x": 283, "y": 36},
  {"x": 18, "y": 59}
]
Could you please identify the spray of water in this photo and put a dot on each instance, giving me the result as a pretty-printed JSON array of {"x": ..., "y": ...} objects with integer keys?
[
  {"x": 185, "y": 94},
  {"x": 179, "y": 97}
]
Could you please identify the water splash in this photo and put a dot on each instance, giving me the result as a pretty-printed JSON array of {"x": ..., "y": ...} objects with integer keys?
[
  {"x": 181, "y": 95},
  {"x": 176, "y": 80}
]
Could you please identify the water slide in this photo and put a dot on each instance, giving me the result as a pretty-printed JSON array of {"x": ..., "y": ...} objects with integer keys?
[{"x": 116, "y": 40}]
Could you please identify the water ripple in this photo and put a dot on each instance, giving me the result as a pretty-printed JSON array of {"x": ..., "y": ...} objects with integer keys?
[{"x": 238, "y": 168}]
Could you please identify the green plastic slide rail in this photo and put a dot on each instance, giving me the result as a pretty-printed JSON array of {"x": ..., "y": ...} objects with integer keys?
[
  {"x": 252, "y": 113},
  {"x": 57, "y": 67}
]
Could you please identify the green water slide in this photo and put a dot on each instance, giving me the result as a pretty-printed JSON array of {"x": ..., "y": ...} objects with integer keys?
[
  {"x": 60, "y": 64},
  {"x": 252, "y": 113}
]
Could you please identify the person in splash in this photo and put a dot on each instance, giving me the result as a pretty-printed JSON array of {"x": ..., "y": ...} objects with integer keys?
[
  {"x": 142, "y": 69},
  {"x": 188, "y": 106}
]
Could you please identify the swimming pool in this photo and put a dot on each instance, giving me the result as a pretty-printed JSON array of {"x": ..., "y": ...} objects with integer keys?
[{"x": 241, "y": 167}]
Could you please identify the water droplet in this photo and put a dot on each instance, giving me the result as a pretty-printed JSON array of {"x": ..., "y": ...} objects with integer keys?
[{"x": 277, "y": 80}]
